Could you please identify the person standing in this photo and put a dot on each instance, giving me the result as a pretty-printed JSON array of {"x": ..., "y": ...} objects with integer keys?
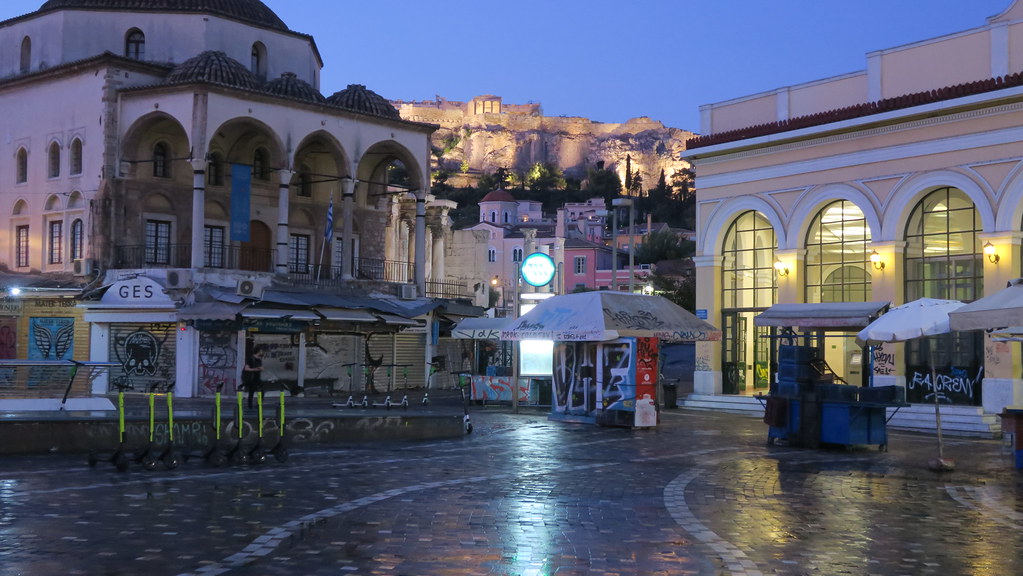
[{"x": 252, "y": 372}]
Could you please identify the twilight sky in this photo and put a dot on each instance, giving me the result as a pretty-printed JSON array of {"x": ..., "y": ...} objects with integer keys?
[{"x": 606, "y": 60}]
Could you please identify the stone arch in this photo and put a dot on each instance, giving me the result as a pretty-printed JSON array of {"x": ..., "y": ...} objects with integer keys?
[
  {"x": 20, "y": 207},
  {"x": 157, "y": 202},
  {"x": 726, "y": 212},
  {"x": 238, "y": 139},
  {"x": 327, "y": 163},
  {"x": 141, "y": 139},
  {"x": 76, "y": 201},
  {"x": 53, "y": 203},
  {"x": 908, "y": 194},
  {"x": 372, "y": 170},
  {"x": 215, "y": 210},
  {"x": 1010, "y": 205}
]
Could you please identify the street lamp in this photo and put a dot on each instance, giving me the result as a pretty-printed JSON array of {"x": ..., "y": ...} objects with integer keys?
[{"x": 619, "y": 203}]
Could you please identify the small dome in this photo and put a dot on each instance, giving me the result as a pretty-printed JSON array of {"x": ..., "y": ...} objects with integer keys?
[
  {"x": 499, "y": 195},
  {"x": 291, "y": 86},
  {"x": 360, "y": 99},
  {"x": 216, "y": 68},
  {"x": 251, "y": 11}
]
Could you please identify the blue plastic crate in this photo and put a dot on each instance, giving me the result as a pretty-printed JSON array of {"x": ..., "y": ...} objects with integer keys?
[{"x": 788, "y": 354}]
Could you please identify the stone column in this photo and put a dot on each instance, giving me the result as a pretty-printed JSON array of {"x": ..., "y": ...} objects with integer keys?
[
  {"x": 348, "y": 209},
  {"x": 198, "y": 211},
  {"x": 282, "y": 220},
  {"x": 420, "y": 247}
]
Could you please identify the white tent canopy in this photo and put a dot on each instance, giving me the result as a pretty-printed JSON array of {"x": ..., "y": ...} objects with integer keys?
[
  {"x": 997, "y": 311},
  {"x": 604, "y": 315},
  {"x": 479, "y": 328}
]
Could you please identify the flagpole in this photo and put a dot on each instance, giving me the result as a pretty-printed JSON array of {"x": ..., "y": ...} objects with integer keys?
[{"x": 328, "y": 233}]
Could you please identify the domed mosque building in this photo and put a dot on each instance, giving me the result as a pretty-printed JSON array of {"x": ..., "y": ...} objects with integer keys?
[{"x": 176, "y": 187}]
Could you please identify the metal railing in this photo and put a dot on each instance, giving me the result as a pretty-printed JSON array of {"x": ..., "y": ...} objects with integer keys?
[
  {"x": 447, "y": 290},
  {"x": 180, "y": 256}
]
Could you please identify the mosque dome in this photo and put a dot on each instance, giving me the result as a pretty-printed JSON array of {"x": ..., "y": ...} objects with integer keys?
[
  {"x": 358, "y": 98},
  {"x": 250, "y": 11},
  {"x": 216, "y": 68},
  {"x": 291, "y": 86}
]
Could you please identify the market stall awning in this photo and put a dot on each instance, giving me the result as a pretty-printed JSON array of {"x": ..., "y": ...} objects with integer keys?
[
  {"x": 210, "y": 311},
  {"x": 398, "y": 320},
  {"x": 479, "y": 328},
  {"x": 344, "y": 314},
  {"x": 282, "y": 313},
  {"x": 830, "y": 315}
]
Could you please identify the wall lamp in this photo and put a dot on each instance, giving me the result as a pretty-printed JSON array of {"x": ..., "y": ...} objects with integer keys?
[
  {"x": 781, "y": 268},
  {"x": 875, "y": 259},
  {"x": 989, "y": 251}
]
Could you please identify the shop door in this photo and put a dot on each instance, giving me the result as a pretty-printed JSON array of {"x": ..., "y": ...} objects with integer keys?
[{"x": 733, "y": 357}]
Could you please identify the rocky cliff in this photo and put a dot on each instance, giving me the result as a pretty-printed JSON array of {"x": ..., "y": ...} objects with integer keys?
[{"x": 484, "y": 134}]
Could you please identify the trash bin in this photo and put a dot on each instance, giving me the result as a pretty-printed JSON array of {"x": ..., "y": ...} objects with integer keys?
[{"x": 670, "y": 393}]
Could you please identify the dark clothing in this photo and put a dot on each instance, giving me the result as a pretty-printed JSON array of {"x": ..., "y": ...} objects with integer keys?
[{"x": 252, "y": 375}]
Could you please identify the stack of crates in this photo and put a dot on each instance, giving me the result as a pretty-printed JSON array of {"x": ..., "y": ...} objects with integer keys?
[{"x": 796, "y": 372}]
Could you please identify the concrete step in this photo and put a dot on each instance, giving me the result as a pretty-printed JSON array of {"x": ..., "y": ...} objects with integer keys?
[{"x": 962, "y": 421}]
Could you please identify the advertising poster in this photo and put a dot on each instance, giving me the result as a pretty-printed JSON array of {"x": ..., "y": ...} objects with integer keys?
[
  {"x": 646, "y": 368},
  {"x": 617, "y": 385}
]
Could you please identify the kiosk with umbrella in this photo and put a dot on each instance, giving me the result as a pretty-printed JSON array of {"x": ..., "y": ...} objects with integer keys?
[
  {"x": 606, "y": 349},
  {"x": 917, "y": 319}
]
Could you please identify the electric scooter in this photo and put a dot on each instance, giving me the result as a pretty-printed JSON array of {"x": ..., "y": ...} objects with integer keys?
[
  {"x": 170, "y": 456},
  {"x": 214, "y": 454},
  {"x": 280, "y": 450},
  {"x": 236, "y": 455},
  {"x": 119, "y": 457},
  {"x": 351, "y": 383},
  {"x": 256, "y": 454}
]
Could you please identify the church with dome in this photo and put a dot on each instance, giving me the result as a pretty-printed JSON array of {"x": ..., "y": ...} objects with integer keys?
[{"x": 176, "y": 187}]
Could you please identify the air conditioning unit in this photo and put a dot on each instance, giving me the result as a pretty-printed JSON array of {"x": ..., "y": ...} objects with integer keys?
[
  {"x": 407, "y": 292},
  {"x": 84, "y": 266},
  {"x": 251, "y": 289},
  {"x": 179, "y": 278}
]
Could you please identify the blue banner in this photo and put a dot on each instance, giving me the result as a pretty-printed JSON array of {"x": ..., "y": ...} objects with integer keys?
[{"x": 241, "y": 186}]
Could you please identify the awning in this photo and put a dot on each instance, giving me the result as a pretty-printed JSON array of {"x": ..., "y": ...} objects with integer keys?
[
  {"x": 398, "y": 320},
  {"x": 210, "y": 311},
  {"x": 281, "y": 313},
  {"x": 831, "y": 315},
  {"x": 344, "y": 314},
  {"x": 995, "y": 312},
  {"x": 479, "y": 328}
]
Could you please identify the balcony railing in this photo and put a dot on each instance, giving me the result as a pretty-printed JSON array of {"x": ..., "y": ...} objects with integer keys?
[
  {"x": 180, "y": 256},
  {"x": 447, "y": 290}
]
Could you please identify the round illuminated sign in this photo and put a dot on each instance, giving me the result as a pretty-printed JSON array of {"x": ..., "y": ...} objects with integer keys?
[{"x": 538, "y": 269}]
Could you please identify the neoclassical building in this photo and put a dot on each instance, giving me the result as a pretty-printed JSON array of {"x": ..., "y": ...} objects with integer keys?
[
  {"x": 901, "y": 181},
  {"x": 177, "y": 161}
]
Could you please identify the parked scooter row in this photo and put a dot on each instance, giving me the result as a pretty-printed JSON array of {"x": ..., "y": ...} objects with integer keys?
[
  {"x": 388, "y": 402},
  {"x": 217, "y": 453}
]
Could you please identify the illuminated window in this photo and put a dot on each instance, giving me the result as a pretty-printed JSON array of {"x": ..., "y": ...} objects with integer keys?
[
  {"x": 837, "y": 255},
  {"x": 747, "y": 271}
]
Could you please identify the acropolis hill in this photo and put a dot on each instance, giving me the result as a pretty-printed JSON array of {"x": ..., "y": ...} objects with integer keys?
[{"x": 484, "y": 134}]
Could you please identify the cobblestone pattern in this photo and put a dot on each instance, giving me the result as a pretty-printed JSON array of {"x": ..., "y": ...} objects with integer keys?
[{"x": 701, "y": 494}]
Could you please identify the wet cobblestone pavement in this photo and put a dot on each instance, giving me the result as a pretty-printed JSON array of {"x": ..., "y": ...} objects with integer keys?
[{"x": 701, "y": 494}]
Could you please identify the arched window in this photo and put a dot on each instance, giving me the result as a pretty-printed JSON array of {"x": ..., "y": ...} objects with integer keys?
[
  {"x": 161, "y": 156},
  {"x": 748, "y": 277},
  {"x": 215, "y": 170},
  {"x": 507, "y": 217},
  {"x": 516, "y": 254},
  {"x": 53, "y": 164},
  {"x": 135, "y": 44},
  {"x": 261, "y": 164},
  {"x": 944, "y": 259},
  {"x": 491, "y": 255},
  {"x": 259, "y": 60},
  {"x": 493, "y": 216},
  {"x": 22, "y": 169},
  {"x": 77, "y": 239},
  {"x": 837, "y": 256},
  {"x": 76, "y": 157},
  {"x": 26, "y": 55}
]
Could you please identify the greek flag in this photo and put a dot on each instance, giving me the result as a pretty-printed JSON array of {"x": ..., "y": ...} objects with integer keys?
[{"x": 328, "y": 232}]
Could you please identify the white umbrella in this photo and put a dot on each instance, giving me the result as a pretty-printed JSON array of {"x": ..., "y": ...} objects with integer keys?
[
  {"x": 916, "y": 319},
  {"x": 1000, "y": 312}
]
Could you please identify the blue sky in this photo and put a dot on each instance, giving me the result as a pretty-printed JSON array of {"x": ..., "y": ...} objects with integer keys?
[{"x": 606, "y": 60}]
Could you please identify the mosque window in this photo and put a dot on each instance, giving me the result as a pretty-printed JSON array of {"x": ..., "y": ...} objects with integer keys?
[
  {"x": 161, "y": 155},
  {"x": 26, "y": 55},
  {"x": 53, "y": 161},
  {"x": 22, "y": 166},
  {"x": 259, "y": 60},
  {"x": 135, "y": 45},
  {"x": 76, "y": 157}
]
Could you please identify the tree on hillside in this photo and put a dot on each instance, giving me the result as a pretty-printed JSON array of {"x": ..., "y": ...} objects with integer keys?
[
  {"x": 663, "y": 245},
  {"x": 603, "y": 183},
  {"x": 544, "y": 177}
]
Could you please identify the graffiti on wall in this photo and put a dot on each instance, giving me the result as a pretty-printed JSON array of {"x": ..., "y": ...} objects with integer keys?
[
  {"x": 218, "y": 363},
  {"x": 884, "y": 360},
  {"x": 51, "y": 338},
  {"x": 145, "y": 354}
]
